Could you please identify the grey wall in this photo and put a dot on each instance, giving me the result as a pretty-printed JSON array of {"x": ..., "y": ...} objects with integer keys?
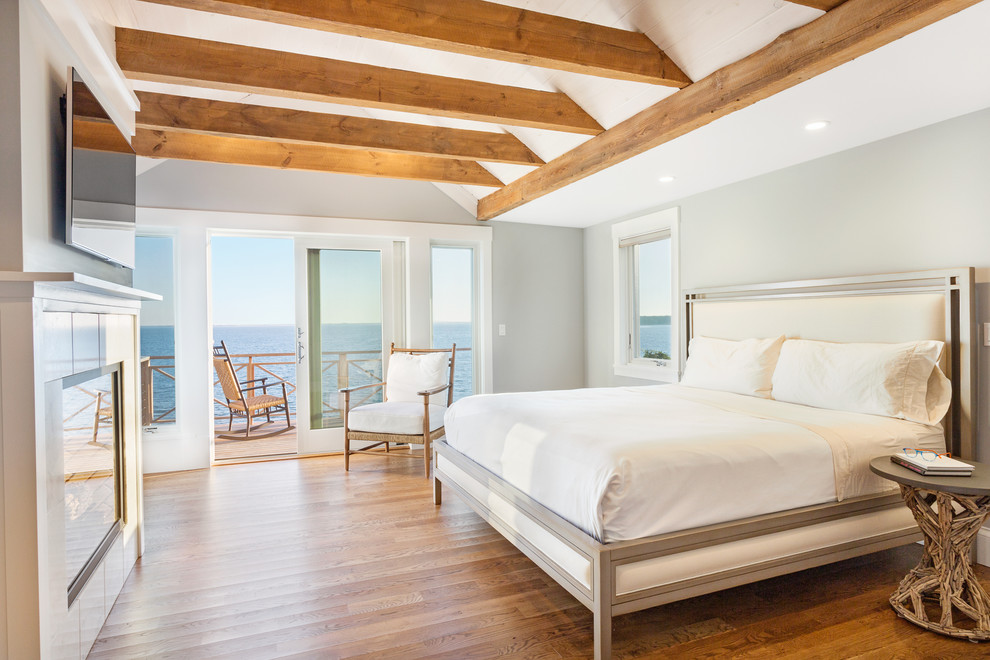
[
  {"x": 538, "y": 294},
  {"x": 916, "y": 201},
  {"x": 44, "y": 61},
  {"x": 220, "y": 187}
]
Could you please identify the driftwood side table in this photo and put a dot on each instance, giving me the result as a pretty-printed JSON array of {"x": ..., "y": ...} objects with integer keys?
[{"x": 944, "y": 574}]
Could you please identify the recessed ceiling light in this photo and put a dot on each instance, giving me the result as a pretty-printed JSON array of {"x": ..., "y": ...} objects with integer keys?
[
  {"x": 815, "y": 125},
  {"x": 665, "y": 179}
]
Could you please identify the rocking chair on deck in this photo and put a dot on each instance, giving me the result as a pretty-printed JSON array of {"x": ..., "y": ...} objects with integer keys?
[{"x": 241, "y": 402}]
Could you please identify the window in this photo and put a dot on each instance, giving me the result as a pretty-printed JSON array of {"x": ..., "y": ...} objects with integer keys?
[
  {"x": 646, "y": 296},
  {"x": 452, "y": 296},
  {"x": 154, "y": 271}
]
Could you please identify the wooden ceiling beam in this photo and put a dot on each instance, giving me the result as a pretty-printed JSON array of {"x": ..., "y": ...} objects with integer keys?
[
  {"x": 471, "y": 27},
  {"x": 96, "y": 134},
  {"x": 194, "y": 115},
  {"x": 852, "y": 29},
  {"x": 824, "y": 5},
  {"x": 167, "y": 58},
  {"x": 321, "y": 158}
]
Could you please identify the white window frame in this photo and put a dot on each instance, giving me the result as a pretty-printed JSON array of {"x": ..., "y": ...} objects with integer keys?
[{"x": 624, "y": 274}]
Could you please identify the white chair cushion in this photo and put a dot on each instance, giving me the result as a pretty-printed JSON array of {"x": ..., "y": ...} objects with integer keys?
[
  {"x": 408, "y": 374},
  {"x": 404, "y": 417}
]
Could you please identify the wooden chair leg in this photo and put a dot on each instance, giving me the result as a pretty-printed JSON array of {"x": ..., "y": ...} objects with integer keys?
[
  {"x": 347, "y": 452},
  {"x": 96, "y": 418},
  {"x": 247, "y": 431},
  {"x": 426, "y": 456}
]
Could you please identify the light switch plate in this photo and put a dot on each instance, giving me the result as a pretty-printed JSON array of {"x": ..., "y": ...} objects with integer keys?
[{"x": 501, "y": 329}]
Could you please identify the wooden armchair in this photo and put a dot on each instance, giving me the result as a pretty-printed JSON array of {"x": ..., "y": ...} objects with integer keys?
[
  {"x": 242, "y": 403},
  {"x": 419, "y": 386},
  {"x": 102, "y": 416}
]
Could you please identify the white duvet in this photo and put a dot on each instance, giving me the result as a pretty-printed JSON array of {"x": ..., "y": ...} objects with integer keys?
[{"x": 630, "y": 462}]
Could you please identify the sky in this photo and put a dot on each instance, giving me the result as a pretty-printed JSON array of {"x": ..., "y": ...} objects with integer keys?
[
  {"x": 654, "y": 278},
  {"x": 254, "y": 282},
  {"x": 452, "y": 284},
  {"x": 350, "y": 286}
]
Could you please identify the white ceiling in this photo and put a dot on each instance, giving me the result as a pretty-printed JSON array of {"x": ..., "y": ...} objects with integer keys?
[
  {"x": 926, "y": 77},
  {"x": 937, "y": 73}
]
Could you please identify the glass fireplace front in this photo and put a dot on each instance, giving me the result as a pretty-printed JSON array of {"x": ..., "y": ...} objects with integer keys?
[{"x": 92, "y": 456}]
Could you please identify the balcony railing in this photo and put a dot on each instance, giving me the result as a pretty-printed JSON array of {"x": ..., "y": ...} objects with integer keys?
[{"x": 339, "y": 369}]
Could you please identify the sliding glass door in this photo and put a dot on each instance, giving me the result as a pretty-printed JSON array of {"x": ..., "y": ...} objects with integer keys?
[{"x": 345, "y": 324}]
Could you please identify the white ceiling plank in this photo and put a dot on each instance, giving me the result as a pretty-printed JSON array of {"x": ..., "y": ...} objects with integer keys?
[
  {"x": 464, "y": 198},
  {"x": 750, "y": 39}
]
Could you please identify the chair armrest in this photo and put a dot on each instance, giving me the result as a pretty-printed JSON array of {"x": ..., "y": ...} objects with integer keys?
[
  {"x": 258, "y": 387},
  {"x": 255, "y": 380},
  {"x": 435, "y": 390},
  {"x": 360, "y": 387}
]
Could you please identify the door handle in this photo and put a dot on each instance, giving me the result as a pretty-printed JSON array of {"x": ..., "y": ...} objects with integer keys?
[{"x": 300, "y": 352}]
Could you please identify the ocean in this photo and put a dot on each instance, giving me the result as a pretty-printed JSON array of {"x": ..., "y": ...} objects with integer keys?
[
  {"x": 360, "y": 340},
  {"x": 655, "y": 337}
]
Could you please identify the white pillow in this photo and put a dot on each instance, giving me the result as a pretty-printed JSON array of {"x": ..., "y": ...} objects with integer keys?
[
  {"x": 894, "y": 380},
  {"x": 744, "y": 367},
  {"x": 408, "y": 374}
]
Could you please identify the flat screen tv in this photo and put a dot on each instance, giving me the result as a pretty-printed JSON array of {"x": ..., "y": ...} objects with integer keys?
[{"x": 100, "y": 178}]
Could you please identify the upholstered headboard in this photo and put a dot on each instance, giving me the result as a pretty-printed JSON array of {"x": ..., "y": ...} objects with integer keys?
[{"x": 876, "y": 308}]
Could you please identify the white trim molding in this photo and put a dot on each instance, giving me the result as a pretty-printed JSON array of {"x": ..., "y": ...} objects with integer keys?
[{"x": 94, "y": 62}]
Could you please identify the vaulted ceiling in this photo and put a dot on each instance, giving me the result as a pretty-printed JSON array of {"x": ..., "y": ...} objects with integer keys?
[{"x": 508, "y": 101}]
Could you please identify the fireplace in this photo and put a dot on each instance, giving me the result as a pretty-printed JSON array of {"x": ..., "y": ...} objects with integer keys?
[
  {"x": 93, "y": 479},
  {"x": 70, "y": 448}
]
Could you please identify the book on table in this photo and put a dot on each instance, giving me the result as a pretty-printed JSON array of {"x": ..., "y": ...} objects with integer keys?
[{"x": 940, "y": 466}]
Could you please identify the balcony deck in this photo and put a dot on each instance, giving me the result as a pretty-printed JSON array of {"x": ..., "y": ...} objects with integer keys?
[
  {"x": 84, "y": 456},
  {"x": 227, "y": 449},
  {"x": 339, "y": 368}
]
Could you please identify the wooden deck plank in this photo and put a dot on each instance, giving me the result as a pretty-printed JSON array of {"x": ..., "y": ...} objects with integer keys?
[{"x": 226, "y": 449}]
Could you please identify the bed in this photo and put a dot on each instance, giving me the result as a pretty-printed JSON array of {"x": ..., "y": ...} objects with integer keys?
[{"x": 639, "y": 518}]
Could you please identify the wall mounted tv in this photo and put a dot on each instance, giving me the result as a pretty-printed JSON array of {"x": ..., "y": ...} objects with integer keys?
[{"x": 100, "y": 178}]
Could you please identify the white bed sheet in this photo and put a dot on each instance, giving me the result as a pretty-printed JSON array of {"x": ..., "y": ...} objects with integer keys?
[{"x": 630, "y": 462}]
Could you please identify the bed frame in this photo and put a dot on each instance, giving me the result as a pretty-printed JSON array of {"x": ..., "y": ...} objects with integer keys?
[{"x": 618, "y": 578}]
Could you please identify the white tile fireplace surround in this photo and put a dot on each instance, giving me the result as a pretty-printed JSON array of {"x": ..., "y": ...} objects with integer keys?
[{"x": 55, "y": 329}]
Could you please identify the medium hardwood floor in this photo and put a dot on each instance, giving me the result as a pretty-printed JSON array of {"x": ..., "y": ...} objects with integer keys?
[{"x": 300, "y": 559}]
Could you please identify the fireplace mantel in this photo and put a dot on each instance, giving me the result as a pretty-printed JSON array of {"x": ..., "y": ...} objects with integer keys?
[
  {"x": 16, "y": 283},
  {"x": 52, "y": 326}
]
